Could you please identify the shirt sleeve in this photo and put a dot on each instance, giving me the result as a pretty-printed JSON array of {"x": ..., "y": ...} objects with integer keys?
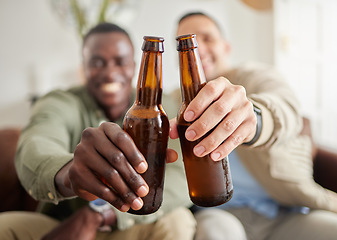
[
  {"x": 45, "y": 145},
  {"x": 280, "y": 109}
]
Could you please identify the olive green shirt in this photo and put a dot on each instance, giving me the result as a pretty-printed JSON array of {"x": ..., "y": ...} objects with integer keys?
[
  {"x": 48, "y": 142},
  {"x": 281, "y": 159}
]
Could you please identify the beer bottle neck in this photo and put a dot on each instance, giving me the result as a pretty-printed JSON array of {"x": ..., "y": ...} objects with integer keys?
[
  {"x": 192, "y": 77},
  {"x": 149, "y": 87}
]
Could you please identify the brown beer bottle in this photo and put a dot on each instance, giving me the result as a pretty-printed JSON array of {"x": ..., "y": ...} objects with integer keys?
[
  {"x": 147, "y": 123},
  {"x": 209, "y": 182}
]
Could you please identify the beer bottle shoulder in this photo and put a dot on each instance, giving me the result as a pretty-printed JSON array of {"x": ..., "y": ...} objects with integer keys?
[{"x": 139, "y": 111}]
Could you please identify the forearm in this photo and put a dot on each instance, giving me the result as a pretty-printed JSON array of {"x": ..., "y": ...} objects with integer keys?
[
  {"x": 46, "y": 145},
  {"x": 83, "y": 225},
  {"x": 37, "y": 173},
  {"x": 280, "y": 109},
  {"x": 281, "y": 119},
  {"x": 38, "y": 159}
]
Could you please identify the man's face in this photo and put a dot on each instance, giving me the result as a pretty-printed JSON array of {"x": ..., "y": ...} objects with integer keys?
[
  {"x": 213, "y": 48},
  {"x": 108, "y": 60}
]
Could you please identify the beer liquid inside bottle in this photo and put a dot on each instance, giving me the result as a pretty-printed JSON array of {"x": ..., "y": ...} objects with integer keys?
[
  {"x": 147, "y": 123},
  {"x": 209, "y": 182}
]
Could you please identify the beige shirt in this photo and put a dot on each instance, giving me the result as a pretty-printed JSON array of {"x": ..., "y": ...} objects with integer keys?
[{"x": 281, "y": 159}]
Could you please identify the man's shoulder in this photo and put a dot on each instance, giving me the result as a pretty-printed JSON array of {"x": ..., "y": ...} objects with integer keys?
[
  {"x": 251, "y": 67},
  {"x": 254, "y": 74},
  {"x": 73, "y": 91},
  {"x": 68, "y": 95},
  {"x": 59, "y": 100}
]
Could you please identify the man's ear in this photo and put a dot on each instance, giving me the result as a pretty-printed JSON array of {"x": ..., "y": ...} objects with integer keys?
[{"x": 227, "y": 47}]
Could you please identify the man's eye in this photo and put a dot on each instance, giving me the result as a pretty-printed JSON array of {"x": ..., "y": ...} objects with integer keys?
[
  {"x": 97, "y": 63},
  {"x": 207, "y": 39},
  {"x": 122, "y": 61}
]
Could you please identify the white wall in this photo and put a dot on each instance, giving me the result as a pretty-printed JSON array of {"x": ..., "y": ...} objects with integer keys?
[
  {"x": 249, "y": 31},
  {"x": 38, "y": 52}
]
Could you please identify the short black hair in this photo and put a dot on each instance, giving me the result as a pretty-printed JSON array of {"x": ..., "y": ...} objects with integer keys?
[
  {"x": 105, "y": 27},
  {"x": 190, "y": 14}
]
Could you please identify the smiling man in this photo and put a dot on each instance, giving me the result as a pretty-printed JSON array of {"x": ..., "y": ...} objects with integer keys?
[
  {"x": 75, "y": 139},
  {"x": 109, "y": 70},
  {"x": 275, "y": 196}
]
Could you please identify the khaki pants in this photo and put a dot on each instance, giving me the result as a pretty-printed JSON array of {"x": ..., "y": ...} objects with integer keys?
[
  {"x": 176, "y": 225},
  {"x": 245, "y": 224}
]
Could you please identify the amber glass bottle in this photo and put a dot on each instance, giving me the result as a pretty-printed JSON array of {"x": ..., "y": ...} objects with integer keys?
[
  {"x": 209, "y": 182},
  {"x": 147, "y": 123}
]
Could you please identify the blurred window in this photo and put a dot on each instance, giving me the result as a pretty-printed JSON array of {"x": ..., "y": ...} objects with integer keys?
[{"x": 305, "y": 33}]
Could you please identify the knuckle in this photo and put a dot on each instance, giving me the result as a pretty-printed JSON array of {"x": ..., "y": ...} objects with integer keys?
[
  {"x": 241, "y": 91},
  {"x": 129, "y": 196},
  {"x": 228, "y": 125},
  {"x": 220, "y": 108},
  {"x": 122, "y": 136},
  {"x": 104, "y": 124},
  {"x": 107, "y": 125},
  {"x": 79, "y": 149},
  {"x": 116, "y": 158},
  {"x": 198, "y": 105},
  {"x": 88, "y": 133},
  {"x": 212, "y": 87},
  {"x": 134, "y": 180},
  {"x": 222, "y": 80},
  {"x": 111, "y": 174},
  {"x": 105, "y": 193},
  {"x": 236, "y": 140},
  {"x": 249, "y": 107},
  {"x": 203, "y": 126},
  {"x": 212, "y": 142}
]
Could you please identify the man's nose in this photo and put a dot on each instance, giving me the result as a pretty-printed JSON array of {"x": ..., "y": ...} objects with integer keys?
[{"x": 111, "y": 71}]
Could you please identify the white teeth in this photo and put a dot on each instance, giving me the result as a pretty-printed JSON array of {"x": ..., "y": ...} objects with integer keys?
[{"x": 112, "y": 87}]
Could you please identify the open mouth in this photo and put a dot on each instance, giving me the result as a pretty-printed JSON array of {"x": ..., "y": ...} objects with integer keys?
[{"x": 112, "y": 87}]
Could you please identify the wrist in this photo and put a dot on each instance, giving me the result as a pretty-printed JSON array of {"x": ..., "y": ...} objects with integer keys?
[
  {"x": 258, "y": 115},
  {"x": 94, "y": 217},
  {"x": 62, "y": 181},
  {"x": 106, "y": 212}
]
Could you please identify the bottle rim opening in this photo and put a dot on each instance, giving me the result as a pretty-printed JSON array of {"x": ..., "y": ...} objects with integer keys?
[
  {"x": 154, "y": 38},
  {"x": 186, "y": 42},
  {"x": 185, "y": 36}
]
